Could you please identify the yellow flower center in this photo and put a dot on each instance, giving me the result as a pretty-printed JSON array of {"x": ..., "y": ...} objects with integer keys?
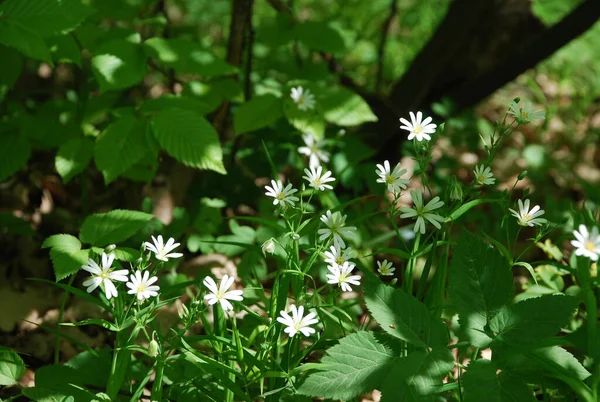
[
  {"x": 280, "y": 196},
  {"x": 525, "y": 115},
  {"x": 588, "y": 245},
  {"x": 141, "y": 288},
  {"x": 418, "y": 129},
  {"x": 301, "y": 100},
  {"x": 342, "y": 278},
  {"x": 526, "y": 218},
  {"x": 104, "y": 274},
  {"x": 389, "y": 179},
  {"x": 339, "y": 260},
  {"x": 317, "y": 181},
  {"x": 480, "y": 178}
]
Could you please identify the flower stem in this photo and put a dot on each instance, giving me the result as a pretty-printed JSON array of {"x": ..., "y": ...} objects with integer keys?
[{"x": 408, "y": 279}]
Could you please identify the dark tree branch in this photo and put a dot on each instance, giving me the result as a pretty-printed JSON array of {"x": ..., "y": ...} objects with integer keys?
[{"x": 381, "y": 50}]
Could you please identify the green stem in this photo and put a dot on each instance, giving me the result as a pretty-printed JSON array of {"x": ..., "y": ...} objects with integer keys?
[
  {"x": 157, "y": 386},
  {"x": 411, "y": 265},
  {"x": 61, "y": 312}
]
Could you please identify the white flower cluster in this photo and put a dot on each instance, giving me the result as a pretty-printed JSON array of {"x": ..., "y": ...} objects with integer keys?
[{"x": 140, "y": 283}]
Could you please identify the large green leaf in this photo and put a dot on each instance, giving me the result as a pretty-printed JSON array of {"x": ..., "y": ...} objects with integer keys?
[
  {"x": 64, "y": 49},
  {"x": 259, "y": 112},
  {"x": 11, "y": 69},
  {"x": 119, "y": 64},
  {"x": 14, "y": 154},
  {"x": 73, "y": 157},
  {"x": 403, "y": 316},
  {"x": 64, "y": 241},
  {"x": 25, "y": 40},
  {"x": 306, "y": 121},
  {"x": 345, "y": 108},
  {"x": 417, "y": 377},
  {"x": 120, "y": 146},
  {"x": 11, "y": 367},
  {"x": 189, "y": 138},
  {"x": 187, "y": 57},
  {"x": 319, "y": 36},
  {"x": 533, "y": 319},
  {"x": 112, "y": 227},
  {"x": 481, "y": 383},
  {"x": 46, "y": 17},
  {"x": 66, "y": 255},
  {"x": 480, "y": 284},
  {"x": 356, "y": 365}
]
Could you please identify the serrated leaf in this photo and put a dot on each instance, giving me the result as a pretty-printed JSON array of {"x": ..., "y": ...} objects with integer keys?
[
  {"x": 306, "y": 121},
  {"x": 64, "y": 241},
  {"x": 345, "y": 108},
  {"x": 481, "y": 383},
  {"x": 11, "y": 69},
  {"x": 480, "y": 284},
  {"x": 46, "y": 17},
  {"x": 120, "y": 146},
  {"x": 187, "y": 57},
  {"x": 259, "y": 112},
  {"x": 178, "y": 102},
  {"x": 73, "y": 157},
  {"x": 40, "y": 394},
  {"x": 319, "y": 36},
  {"x": 14, "y": 154},
  {"x": 11, "y": 367},
  {"x": 189, "y": 138},
  {"x": 533, "y": 319},
  {"x": 112, "y": 227},
  {"x": 24, "y": 40},
  {"x": 64, "y": 49},
  {"x": 403, "y": 316},
  {"x": 67, "y": 262},
  {"x": 356, "y": 365},
  {"x": 417, "y": 377},
  {"x": 119, "y": 64},
  {"x": 121, "y": 253}
]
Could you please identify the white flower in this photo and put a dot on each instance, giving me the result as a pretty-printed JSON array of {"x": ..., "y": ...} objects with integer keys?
[
  {"x": 161, "y": 250},
  {"x": 338, "y": 256},
  {"x": 528, "y": 217},
  {"x": 268, "y": 247},
  {"x": 141, "y": 284},
  {"x": 222, "y": 294},
  {"x": 392, "y": 178},
  {"x": 303, "y": 98},
  {"x": 315, "y": 180},
  {"x": 340, "y": 274},
  {"x": 335, "y": 227},
  {"x": 313, "y": 150},
  {"x": 483, "y": 176},
  {"x": 526, "y": 114},
  {"x": 587, "y": 244},
  {"x": 281, "y": 195},
  {"x": 297, "y": 323},
  {"x": 423, "y": 212},
  {"x": 104, "y": 275},
  {"x": 385, "y": 268},
  {"x": 417, "y": 127}
]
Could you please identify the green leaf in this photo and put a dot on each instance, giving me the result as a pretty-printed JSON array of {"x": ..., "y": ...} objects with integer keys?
[
  {"x": 119, "y": 64},
  {"x": 480, "y": 284},
  {"x": 482, "y": 384},
  {"x": 94, "y": 368},
  {"x": 306, "y": 121},
  {"x": 11, "y": 367},
  {"x": 121, "y": 253},
  {"x": 533, "y": 319},
  {"x": 40, "y": 394},
  {"x": 460, "y": 211},
  {"x": 11, "y": 69},
  {"x": 120, "y": 146},
  {"x": 73, "y": 157},
  {"x": 355, "y": 366},
  {"x": 64, "y": 49},
  {"x": 67, "y": 262},
  {"x": 319, "y": 36},
  {"x": 63, "y": 379},
  {"x": 112, "y": 227},
  {"x": 403, "y": 316},
  {"x": 178, "y": 102},
  {"x": 46, "y": 17},
  {"x": 64, "y": 241},
  {"x": 24, "y": 40},
  {"x": 345, "y": 108},
  {"x": 189, "y": 138},
  {"x": 259, "y": 112},
  {"x": 187, "y": 57},
  {"x": 14, "y": 154},
  {"x": 418, "y": 376}
]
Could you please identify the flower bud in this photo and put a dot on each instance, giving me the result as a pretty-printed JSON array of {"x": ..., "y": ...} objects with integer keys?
[
  {"x": 295, "y": 236},
  {"x": 523, "y": 174},
  {"x": 456, "y": 192},
  {"x": 111, "y": 247},
  {"x": 268, "y": 247},
  {"x": 153, "y": 348}
]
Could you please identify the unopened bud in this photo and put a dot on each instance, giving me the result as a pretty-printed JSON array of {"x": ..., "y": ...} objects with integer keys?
[
  {"x": 456, "y": 192},
  {"x": 111, "y": 247},
  {"x": 183, "y": 311},
  {"x": 268, "y": 247},
  {"x": 295, "y": 236},
  {"x": 139, "y": 260},
  {"x": 523, "y": 174},
  {"x": 153, "y": 348}
]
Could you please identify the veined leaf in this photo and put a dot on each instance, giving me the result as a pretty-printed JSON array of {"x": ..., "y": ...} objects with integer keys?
[
  {"x": 403, "y": 316},
  {"x": 112, "y": 227},
  {"x": 64, "y": 49},
  {"x": 481, "y": 383},
  {"x": 120, "y": 146},
  {"x": 26, "y": 41},
  {"x": 345, "y": 108},
  {"x": 119, "y": 64},
  {"x": 9, "y": 72},
  {"x": 356, "y": 365},
  {"x": 67, "y": 262},
  {"x": 11, "y": 366},
  {"x": 306, "y": 121},
  {"x": 480, "y": 284},
  {"x": 259, "y": 112},
  {"x": 189, "y": 138},
  {"x": 64, "y": 241},
  {"x": 73, "y": 157}
]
